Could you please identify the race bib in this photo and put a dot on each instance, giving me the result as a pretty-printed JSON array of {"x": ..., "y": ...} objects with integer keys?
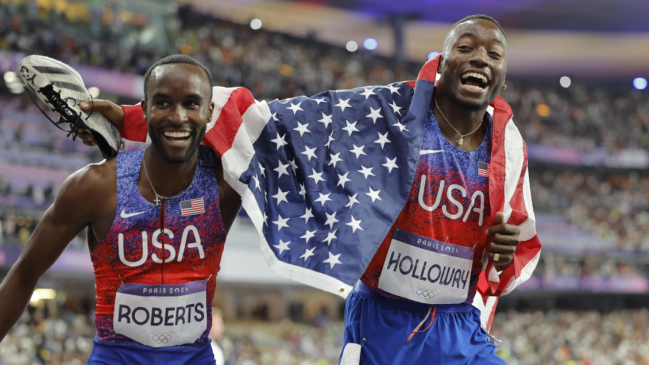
[
  {"x": 426, "y": 270},
  {"x": 161, "y": 315}
]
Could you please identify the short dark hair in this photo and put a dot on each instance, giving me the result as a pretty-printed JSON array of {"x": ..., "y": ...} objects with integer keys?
[
  {"x": 471, "y": 17},
  {"x": 175, "y": 59}
]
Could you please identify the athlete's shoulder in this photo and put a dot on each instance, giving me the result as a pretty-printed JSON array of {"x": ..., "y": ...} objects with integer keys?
[{"x": 92, "y": 181}]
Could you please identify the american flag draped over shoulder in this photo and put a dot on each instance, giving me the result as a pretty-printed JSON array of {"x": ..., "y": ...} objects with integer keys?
[{"x": 324, "y": 178}]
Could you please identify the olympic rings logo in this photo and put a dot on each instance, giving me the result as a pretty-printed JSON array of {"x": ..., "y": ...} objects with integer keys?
[
  {"x": 425, "y": 294},
  {"x": 161, "y": 338}
]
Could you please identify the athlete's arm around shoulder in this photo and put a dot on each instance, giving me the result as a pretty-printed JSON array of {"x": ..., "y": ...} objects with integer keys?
[{"x": 86, "y": 197}]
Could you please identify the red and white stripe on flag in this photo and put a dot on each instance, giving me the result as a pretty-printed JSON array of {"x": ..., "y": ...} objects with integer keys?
[
  {"x": 192, "y": 207},
  {"x": 483, "y": 169}
]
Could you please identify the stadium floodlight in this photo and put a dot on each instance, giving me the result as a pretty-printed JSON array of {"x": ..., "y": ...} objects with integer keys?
[
  {"x": 433, "y": 54},
  {"x": 640, "y": 83},
  {"x": 352, "y": 46},
  {"x": 10, "y": 77},
  {"x": 93, "y": 91},
  {"x": 565, "y": 81},
  {"x": 255, "y": 24},
  {"x": 370, "y": 44}
]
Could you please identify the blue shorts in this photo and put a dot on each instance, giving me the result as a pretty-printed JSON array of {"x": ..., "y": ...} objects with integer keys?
[
  {"x": 454, "y": 338},
  {"x": 110, "y": 354}
]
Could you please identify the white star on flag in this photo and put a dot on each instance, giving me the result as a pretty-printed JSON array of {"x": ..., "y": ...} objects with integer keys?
[
  {"x": 309, "y": 152},
  {"x": 331, "y": 219},
  {"x": 275, "y": 117},
  {"x": 368, "y": 91},
  {"x": 366, "y": 171},
  {"x": 279, "y": 141},
  {"x": 316, "y": 176},
  {"x": 265, "y": 219},
  {"x": 351, "y": 127},
  {"x": 334, "y": 159},
  {"x": 358, "y": 151},
  {"x": 308, "y": 235},
  {"x": 326, "y": 119},
  {"x": 280, "y": 196},
  {"x": 395, "y": 108},
  {"x": 374, "y": 195},
  {"x": 281, "y": 222},
  {"x": 331, "y": 138},
  {"x": 390, "y": 164},
  {"x": 342, "y": 104},
  {"x": 383, "y": 139},
  {"x": 330, "y": 237},
  {"x": 281, "y": 169},
  {"x": 321, "y": 100},
  {"x": 307, "y": 214},
  {"x": 401, "y": 126},
  {"x": 263, "y": 170},
  {"x": 352, "y": 201},
  {"x": 342, "y": 179},
  {"x": 393, "y": 89},
  {"x": 293, "y": 165},
  {"x": 295, "y": 107},
  {"x": 323, "y": 198},
  {"x": 332, "y": 260},
  {"x": 256, "y": 182},
  {"x": 308, "y": 253},
  {"x": 302, "y": 128},
  {"x": 355, "y": 225},
  {"x": 375, "y": 114},
  {"x": 302, "y": 190},
  {"x": 283, "y": 246}
]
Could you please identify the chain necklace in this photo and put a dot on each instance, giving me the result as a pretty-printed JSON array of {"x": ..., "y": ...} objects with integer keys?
[
  {"x": 461, "y": 140},
  {"x": 158, "y": 197}
]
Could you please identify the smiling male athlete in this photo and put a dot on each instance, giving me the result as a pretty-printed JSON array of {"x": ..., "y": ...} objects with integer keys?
[
  {"x": 156, "y": 230},
  {"x": 417, "y": 301}
]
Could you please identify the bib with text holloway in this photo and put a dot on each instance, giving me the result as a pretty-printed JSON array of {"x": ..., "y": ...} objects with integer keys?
[
  {"x": 426, "y": 270},
  {"x": 161, "y": 315}
]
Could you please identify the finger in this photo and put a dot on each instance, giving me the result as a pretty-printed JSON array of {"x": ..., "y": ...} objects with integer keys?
[
  {"x": 85, "y": 134},
  {"x": 506, "y": 240},
  {"x": 503, "y": 258},
  {"x": 501, "y": 249},
  {"x": 112, "y": 111},
  {"x": 499, "y": 218},
  {"x": 508, "y": 229}
]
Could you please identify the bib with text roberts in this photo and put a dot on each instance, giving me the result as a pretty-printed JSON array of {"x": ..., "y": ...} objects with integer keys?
[{"x": 161, "y": 315}]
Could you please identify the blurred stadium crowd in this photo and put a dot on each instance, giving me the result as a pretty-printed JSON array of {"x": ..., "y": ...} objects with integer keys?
[{"x": 35, "y": 158}]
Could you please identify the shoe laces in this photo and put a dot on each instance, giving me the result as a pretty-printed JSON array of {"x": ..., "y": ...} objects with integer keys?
[{"x": 60, "y": 106}]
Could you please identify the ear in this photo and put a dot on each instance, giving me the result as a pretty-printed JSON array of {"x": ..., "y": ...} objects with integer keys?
[
  {"x": 143, "y": 105},
  {"x": 210, "y": 111},
  {"x": 439, "y": 64}
]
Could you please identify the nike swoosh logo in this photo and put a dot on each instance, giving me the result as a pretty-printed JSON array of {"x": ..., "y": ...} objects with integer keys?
[
  {"x": 128, "y": 215},
  {"x": 427, "y": 152}
]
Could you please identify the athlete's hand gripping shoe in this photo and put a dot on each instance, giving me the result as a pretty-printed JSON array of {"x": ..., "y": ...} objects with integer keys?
[{"x": 61, "y": 88}]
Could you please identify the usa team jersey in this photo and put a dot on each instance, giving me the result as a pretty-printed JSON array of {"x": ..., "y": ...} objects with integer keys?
[
  {"x": 132, "y": 252},
  {"x": 449, "y": 201}
]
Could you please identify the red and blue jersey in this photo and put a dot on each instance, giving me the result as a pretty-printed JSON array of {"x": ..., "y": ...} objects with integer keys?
[
  {"x": 449, "y": 201},
  {"x": 137, "y": 251}
]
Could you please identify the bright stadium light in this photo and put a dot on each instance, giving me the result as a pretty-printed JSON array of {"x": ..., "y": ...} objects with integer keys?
[
  {"x": 370, "y": 44},
  {"x": 255, "y": 24},
  {"x": 640, "y": 83},
  {"x": 93, "y": 91},
  {"x": 565, "y": 81},
  {"x": 432, "y": 55},
  {"x": 10, "y": 77},
  {"x": 352, "y": 46}
]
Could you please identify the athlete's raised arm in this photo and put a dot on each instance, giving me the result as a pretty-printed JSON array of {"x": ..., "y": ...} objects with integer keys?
[{"x": 84, "y": 198}]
